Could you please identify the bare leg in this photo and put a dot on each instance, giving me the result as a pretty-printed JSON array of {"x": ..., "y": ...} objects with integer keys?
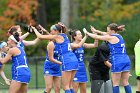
[
  {"x": 24, "y": 88},
  {"x": 124, "y": 78},
  {"x": 49, "y": 83},
  {"x": 116, "y": 81},
  {"x": 56, "y": 82},
  {"x": 72, "y": 77},
  {"x": 75, "y": 86},
  {"x": 125, "y": 83},
  {"x": 14, "y": 87},
  {"x": 116, "y": 78},
  {"x": 83, "y": 87},
  {"x": 66, "y": 78}
]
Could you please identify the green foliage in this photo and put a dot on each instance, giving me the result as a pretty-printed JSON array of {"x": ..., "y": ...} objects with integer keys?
[
  {"x": 100, "y": 13},
  {"x": 106, "y": 11},
  {"x": 2, "y": 6},
  {"x": 132, "y": 34},
  {"x": 53, "y": 11}
]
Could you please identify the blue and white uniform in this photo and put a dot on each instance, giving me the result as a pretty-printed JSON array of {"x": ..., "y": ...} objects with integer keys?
[
  {"x": 119, "y": 58},
  {"x": 81, "y": 74},
  {"x": 20, "y": 44},
  {"x": 51, "y": 68},
  {"x": 67, "y": 57},
  {"x": 20, "y": 69}
]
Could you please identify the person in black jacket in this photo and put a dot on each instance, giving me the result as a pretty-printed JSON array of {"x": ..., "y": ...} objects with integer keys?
[{"x": 99, "y": 70}]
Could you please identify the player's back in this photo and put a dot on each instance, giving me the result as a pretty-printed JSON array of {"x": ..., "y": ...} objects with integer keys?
[
  {"x": 20, "y": 64},
  {"x": 118, "y": 57},
  {"x": 118, "y": 48},
  {"x": 20, "y": 59},
  {"x": 67, "y": 57}
]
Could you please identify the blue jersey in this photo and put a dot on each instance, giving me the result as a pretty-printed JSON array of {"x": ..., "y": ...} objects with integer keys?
[
  {"x": 67, "y": 57},
  {"x": 65, "y": 46},
  {"x": 51, "y": 68},
  {"x": 118, "y": 56},
  {"x": 21, "y": 44},
  {"x": 20, "y": 69},
  {"x": 81, "y": 75},
  {"x": 118, "y": 48},
  {"x": 79, "y": 52}
]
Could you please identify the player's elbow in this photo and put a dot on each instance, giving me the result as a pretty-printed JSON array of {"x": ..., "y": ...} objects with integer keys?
[{"x": 51, "y": 59}]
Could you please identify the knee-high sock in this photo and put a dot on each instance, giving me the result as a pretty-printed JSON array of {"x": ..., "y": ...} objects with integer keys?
[
  {"x": 68, "y": 91},
  {"x": 116, "y": 89},
  {"x": 128, "y": 89},
  {"x": 72, "y": 90}
]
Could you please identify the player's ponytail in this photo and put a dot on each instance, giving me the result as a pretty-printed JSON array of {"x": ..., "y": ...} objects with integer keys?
[
  {"x": 16, "y": 36},
  {"x": 116, "y": 27},
  {"x": 63, "y": 27},
  {"x": 59, "y": 27},
  {"x": 72, "y": 33}
]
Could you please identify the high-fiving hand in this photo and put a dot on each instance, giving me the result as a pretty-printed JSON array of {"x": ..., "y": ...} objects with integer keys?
[
  {"x": 85, "y": 31},
  {"x": 93, "y": 30}
]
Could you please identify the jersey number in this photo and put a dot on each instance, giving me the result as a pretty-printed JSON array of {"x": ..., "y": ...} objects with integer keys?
[
  {"x": 123, "y": 45},
  {"x": 69, "y": 47}
]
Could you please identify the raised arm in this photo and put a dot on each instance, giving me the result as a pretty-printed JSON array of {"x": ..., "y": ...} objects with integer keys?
[
  {"x": 74, "y": 45},
  {"x": 91, "y": 45},
  {"x": 93, "y": 30},
  {"x": 43, "y": 29},
  {"x": 50, "y": 49},
  {"x": 98, "y": 37},
  {"x": 24, "y": 36},
  {"x": 29, "y": 43},
  {"x": 40, "y": 36}
]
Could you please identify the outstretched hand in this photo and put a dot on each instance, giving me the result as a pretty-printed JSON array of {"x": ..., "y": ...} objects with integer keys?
[
  {"x": 41, "y": 28},
  {"x": 34, "y": 29},
  {"x": 85, "y": 31},
  {"x": 93, "y": 30},
  {"x": 30, "y": 30}
]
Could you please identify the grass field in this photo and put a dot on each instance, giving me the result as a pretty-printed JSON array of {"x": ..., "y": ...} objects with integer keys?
[{"x": 88, "y": 90}]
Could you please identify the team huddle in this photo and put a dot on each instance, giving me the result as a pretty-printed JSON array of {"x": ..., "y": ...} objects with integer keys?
[{"x": 65, "y": 60}]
